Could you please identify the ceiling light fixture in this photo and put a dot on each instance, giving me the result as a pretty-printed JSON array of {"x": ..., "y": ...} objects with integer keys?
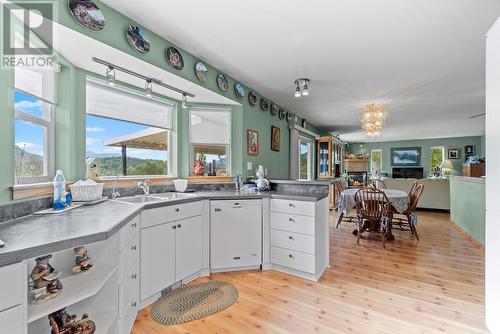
[
  {"x": 373, "y": 117},
  {"x": 184, "y": 101},
  {"x": 148, "y": 88},
  {"x": 110, "y": 76},
  {"x": 302, "y": 87}
]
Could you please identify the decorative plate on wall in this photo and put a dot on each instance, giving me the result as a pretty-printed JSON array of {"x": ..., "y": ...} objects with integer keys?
[
  {"x": 274, "y": 109},
  {"x": 137, "y": 39},
  {"x": 281, "y": 114},
  {"x": 87, "y": 14},
  {"x": 239, "y": 91},
  {"x": 252, "y": 99},
  {"x": 174, "y": 58},
  {"x": 288, "y": 116},
  {"x": 201, "y": 71},
  {"x": 264, "y": 104},
  {"x": 222, "y": 82}
]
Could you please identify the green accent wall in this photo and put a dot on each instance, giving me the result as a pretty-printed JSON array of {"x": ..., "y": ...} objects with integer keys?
[
  {"x": 70, "y": 110},
  {"x": 425, "y": 145},
  {"x": 468, "y": 206}
]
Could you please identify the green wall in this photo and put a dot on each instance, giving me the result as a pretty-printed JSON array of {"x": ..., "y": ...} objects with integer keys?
[
  {"x": 468, "y": 206},
  {"x": 70, "y": 109},
  {"x": 425, "y": 145}
]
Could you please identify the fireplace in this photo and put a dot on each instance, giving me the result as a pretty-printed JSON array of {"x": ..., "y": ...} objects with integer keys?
[
  {"x": 407, "y": 172},
  {"x": 357, "y": 179}
]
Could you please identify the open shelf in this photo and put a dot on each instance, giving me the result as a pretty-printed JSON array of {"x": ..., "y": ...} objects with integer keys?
[{"x": 75, "y": 289}]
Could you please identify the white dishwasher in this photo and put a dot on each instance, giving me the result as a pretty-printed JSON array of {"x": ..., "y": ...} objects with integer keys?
[{"x": 235, "y": 234}]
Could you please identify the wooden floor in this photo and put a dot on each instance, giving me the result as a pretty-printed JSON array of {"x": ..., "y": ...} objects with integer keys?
[{"x": 435, "y": 285}]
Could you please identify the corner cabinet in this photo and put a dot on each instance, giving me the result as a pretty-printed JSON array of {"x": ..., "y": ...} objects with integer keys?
[
  {"x": 171, "y": 246},
  {"x": 330, "y": 154}
]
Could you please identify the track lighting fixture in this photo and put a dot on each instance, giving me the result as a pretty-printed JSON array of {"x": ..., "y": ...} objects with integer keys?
[
  {"x": 148, "y": 88},
  {"x": 184, "y": 101},
  {"x": 302, "y": 87},
  {"x": 110, "y": 76}
]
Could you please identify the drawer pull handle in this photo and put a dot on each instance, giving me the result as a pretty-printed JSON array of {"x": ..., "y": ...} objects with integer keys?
[
  {"x": 291, "y": 219},
  {"x": 174, "y": 227},
  {"x": 218, "y": 210},
  {"x": 134, "y": 276},
  {"x": 179, "y": 226},
  {"x": 177, "y": 209},
  {"x": 290, "y": 237},
  {"x": 290, "y": 205},
  {"x": 134, "y": 304},
  {"x": 290, "y": 256},
  {"x": 134, "y": 247},
  {"x": 134, "y": 225}
]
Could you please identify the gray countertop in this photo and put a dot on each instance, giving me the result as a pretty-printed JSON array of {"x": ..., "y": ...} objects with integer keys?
[{"x": 36, "y": 235}]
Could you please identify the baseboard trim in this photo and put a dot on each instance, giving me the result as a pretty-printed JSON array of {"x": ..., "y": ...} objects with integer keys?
[{"x": 466, "y": 235}]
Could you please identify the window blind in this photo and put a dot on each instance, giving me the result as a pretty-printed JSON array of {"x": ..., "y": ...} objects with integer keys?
[
  {"x": 210, "y": 126},
  {"x": 36, "y": 82}
]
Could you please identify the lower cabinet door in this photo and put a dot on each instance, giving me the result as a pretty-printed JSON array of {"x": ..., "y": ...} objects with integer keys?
[
  {"x": 188, "y": 241},
  {"x": 11, "y": 321},
  {"x": 157, "y": 259}
]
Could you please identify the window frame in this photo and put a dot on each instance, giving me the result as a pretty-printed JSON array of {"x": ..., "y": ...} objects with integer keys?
[
  {"x": 309, "y": 143},
  {"x": 191, "y": 144},
  {"x": 47, "y": 123},
  {"x": 443, "y": 157},
  {"x": 381, "y": 159}
]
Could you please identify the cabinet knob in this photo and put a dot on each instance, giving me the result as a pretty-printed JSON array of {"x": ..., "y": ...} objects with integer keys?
[
  {"x": 134, "y": 304},
  {"x": 291, "y": 219},
  {"x": 179, "y": 226},
  {"x": 290, "y": 237},
  {"x": 134, "y": 225},
  {"x": 177, "y": 209},
  {"x": 134, "y": 247},
  {"x": 290, "y": 204},
  {"x": 134, "y": 276},
  {"x": 290, "y": 256},
  {"x": 174, "y": 227}
]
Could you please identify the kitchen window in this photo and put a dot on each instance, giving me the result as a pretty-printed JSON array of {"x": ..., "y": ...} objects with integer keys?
[
  {"x": 33, "y": 127},
  {"x": 376, "y": 162},
  {"x": 126, "y": 133},
  {"x": 437, "y": 157},
  {"x": 305, "y": 159},
  {"x": 210, "y": 138}
]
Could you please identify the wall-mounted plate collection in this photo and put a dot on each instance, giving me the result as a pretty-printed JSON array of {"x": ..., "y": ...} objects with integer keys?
[
  {"x": 274, "y": 109},
  {"x": 174, "y": 58},
  {"x": 281, "y": 114},
  {"x": 201, "y": 71},
  {"x": 87, "y": 13},
  {"x": 264, "y": 104},
  {"x": 138, "y": 39},
  {"x": 222, "y": 82},
  {"x": 252, "y": 99},
  {"x": 239, "y": 91},
  {"x": 288, "y": 116}
]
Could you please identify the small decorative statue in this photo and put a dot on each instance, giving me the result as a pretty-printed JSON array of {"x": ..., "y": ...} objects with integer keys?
[
  {"x": 62, "y": 322},
  {"x": 262, "y": 183},
  {"x": 44, "y": 280},
  {"x": 199, "y": 165},
  {"x": 82, "y": 260}
]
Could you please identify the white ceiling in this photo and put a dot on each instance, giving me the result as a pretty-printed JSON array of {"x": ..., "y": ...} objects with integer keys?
[{"x": 423, "y": 57}]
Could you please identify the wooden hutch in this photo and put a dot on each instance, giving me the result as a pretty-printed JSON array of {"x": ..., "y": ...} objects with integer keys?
[{"x": 329, "y": 162}]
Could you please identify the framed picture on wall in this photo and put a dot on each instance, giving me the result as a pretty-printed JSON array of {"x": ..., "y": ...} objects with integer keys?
[
  {"x": 405, "y": 156},
  {"x": 469, "y": 150},
  {"x": 275, "y": 138},
  {"x": 252, "y": 142},
  {"x": 454, "y": 153}
]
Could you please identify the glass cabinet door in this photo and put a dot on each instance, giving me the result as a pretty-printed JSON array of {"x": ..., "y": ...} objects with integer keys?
[{"x": 324, "y": 159}]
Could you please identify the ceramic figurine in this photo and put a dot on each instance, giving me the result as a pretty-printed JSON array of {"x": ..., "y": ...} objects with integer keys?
[
  {"x": 199, "y": 165},
  {"x": 62, "y": 322},
  {"x": 82, "y": 260},
  {"x": 44, "y": 280}
]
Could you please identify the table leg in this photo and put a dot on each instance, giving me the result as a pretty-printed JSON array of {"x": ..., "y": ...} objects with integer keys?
[{"x": 340, "y": 219}]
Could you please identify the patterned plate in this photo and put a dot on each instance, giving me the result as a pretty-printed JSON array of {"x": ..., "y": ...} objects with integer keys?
[
  {"x": 201, "y": 71},
  {"x": 174, "y": 58},
  {"x": 274, "y": 109},
  {"x": 288, "y": 116},
  {"x": 252, "y": 99},
  {"x": 281, "y": 114},
  {"x": 222, "y": 82},
  {"x": 137, "y": 39},
  {"x": 239, "y": 91},
  {"x": 87, "y": 14},
  {"x": 264, "y": 104}
]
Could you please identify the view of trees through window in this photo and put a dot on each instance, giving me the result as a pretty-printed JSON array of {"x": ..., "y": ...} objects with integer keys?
[
  {"x": 145, "y": 148},
  {"x": 376, "y": 161},
  {"x": 437, "y": 157}
]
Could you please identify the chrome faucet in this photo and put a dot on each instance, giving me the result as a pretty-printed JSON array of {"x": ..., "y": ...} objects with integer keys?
[
  {"x": 144, "y": 185},
  {"x": 115, "y": 194}
]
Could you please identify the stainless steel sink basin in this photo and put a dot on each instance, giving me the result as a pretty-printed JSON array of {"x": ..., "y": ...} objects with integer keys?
[
  {"x": 167, "y": 196},
  {"x": 139, "y": 199}
]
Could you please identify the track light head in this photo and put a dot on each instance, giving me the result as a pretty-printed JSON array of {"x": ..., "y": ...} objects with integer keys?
[
  {"x": 110, "y": 76},
  {"x": 184, "y": 101},
  {"x": 148, "y": 88},
  {"x": 297, "y": 89}
]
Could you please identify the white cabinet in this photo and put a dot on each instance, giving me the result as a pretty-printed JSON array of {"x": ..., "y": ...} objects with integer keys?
[
  {"x": 13, "y": 298},
  {"x": 170, "y": 250},
  {"x": 236, "y": 234},
  {"x": 188, "y": 247},
  {"x": 157, "y": 259},
  {"x": 12, "y": 320}
]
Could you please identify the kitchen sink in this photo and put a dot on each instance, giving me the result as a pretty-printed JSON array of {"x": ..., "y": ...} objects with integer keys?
[
  {"x": 153, "y": 198},
  {"x": 174, "y": 195}
]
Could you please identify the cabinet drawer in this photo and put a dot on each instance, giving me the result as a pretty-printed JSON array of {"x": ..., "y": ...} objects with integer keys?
[
  {"x": 129, "y": 256},
  {"x": 292, "y": 223},
  {"x": 293, "y": 207},
  {"x": 293, "y": 241},
  {"x": 170, "y": 213},
  {"x": 128, "y": 232},
  {"x": 292, "y": 259},
  {"x": 13, "y": 280},
  {"x": 129, "y": 289},
  {"x": 11, "y": 320},
  {"x": 129, "y": 314}
]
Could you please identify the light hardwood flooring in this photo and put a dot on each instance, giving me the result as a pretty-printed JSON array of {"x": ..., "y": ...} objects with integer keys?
[{"x": 435, "y": 285}]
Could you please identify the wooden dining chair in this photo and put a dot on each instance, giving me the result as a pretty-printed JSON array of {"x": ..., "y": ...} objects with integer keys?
[
  {"x": 373, "y": 210},
  {"x": 339, "y": 188},
  {"x": 407, "y": 220},
  {"x": 412, "y": 188},
  {"x": 378, "y": 184}
]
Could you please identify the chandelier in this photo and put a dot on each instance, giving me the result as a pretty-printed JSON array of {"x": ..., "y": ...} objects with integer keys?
[{"x": 373, "y": 117}]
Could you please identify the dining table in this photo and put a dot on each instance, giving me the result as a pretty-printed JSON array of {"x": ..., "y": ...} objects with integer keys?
[{"x": 399, "y": 202}]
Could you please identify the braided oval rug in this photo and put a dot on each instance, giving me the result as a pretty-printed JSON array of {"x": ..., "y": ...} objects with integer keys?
[{"x": 192, "y": 302}]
